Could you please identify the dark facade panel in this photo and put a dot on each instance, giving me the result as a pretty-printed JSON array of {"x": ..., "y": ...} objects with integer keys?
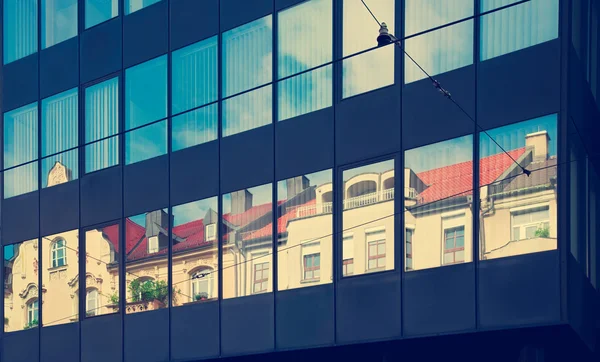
[
  {"x": 102, "y": 339},
  {"x": 192, "y": 21},
  {"x": 13, "y": 343},
  {"x": 439, "y": 300},
  {"x": 59, "y": 67},
  {"x": 146, "y": 34},
  {"x": 63, "y": 197},
  {"x": 101, "y": 50},
  {"x": 381, "y": 320},
  {"x": 519, "y": 290},
  {"x": 282, "y": 4},
  {"x": 305, "y": 317},
  {"x": 20, "y": 83},
  {"x": 581, "y": 310},
  {"x": 146, "y": 185},
  {"x": 55, "y": 340},
  {"x": 101, "y": 196},
  {"x": 429, "y": 117},
  {"x": 237, "y": 12},
  {"x": 247, "y": 325},
  {"x": 194, "y": 173},
  {"x": 304, "y": 144},
  {"x": 518, "y": 86},
  {"x": 20, "y": 218},
  {"x": 147, "y": 336},
  {"x": 247, "y": 159},
  {"x": 368, "y": 125},
  {"x": 195, "y": 331}
]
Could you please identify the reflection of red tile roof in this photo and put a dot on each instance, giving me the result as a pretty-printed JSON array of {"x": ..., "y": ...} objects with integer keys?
[
  {"x": 442, "y": 182},
  {"x": 457, "y": 179}
]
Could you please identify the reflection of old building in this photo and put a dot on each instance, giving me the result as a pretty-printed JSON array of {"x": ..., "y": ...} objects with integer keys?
[{"x": 518, "y": 213}]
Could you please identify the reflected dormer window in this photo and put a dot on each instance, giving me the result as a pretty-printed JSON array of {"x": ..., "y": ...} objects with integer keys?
[
  {"x": 153, "y": 244},
  {"x": 211, "y": 232}
]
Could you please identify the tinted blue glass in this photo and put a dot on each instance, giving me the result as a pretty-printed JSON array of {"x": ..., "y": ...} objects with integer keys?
[
  {"x": 374, "y": 69},
  {"x": 60, "y": 168},
  {"x": 135, "y": 5},
  {"x": 195, "y": 127},
  {"x": 20, "y": 29},
  {"x": 488, "y": 5},
  {"x": 146, "y": 92},
  {"x": 422, "y": 15},
  {"x": 98, "y": 11},
  {"x": 195, "y": 77},
  {"x": 59, "y": 21},
  {"x": 247, "y": 56},
  {"x": 101, "y": 121},
  {"x": 247, "y": 111},
  {"x": 305, "y": 93},
  {"x": 20, "y": 135},
  {"x": 60, "y": 122},
  {"x": 518, "y": 27},
  {"x": 21, "y": 180},
  {"x": 304, "y": 37},
  {"x": 146, "y": 142},
  {"x": 439, "y": 51}
]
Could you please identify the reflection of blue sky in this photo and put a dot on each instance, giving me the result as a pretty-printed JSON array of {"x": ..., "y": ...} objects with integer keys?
[
  {"x": 146, "y": 92},
  {"x": 98, "y": 11},
  {"x": 21, "y": 180},
  {"x": 59, "y": 21},
  {"x": 487, "y": 5},
  {"x": 195, "y": 127},
  {"x": 135, "y": 5},
  {"x": 20, "y": 29},
  {"x": 440, "y": 154},
  {"x": 262, "y": 194},
  {"x": 247, "y": 111},
  {"x": 422, "y": 15},
  {"x": 20, "y": 135},
  {"x": 146, "y": 142},
  {"x": 60, "y": 122},
  {"x": 193, "y": 210},
  {"x": 517, "y": 27},
  {"x": 9, "y": 251},
  {"x": 513, "y": 136},
  {"x": 315, "y": 179},
  {"x": 378, "y": 167}
]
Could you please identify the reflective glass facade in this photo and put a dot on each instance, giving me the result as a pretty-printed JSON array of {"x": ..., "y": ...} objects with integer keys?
[{"x": 221, "y": 175}]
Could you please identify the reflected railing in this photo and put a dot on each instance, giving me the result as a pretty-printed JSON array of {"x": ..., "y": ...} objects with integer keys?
[
  {"x": 368, "y": 199},
  {"x": 410, "y": 193},
  {"x": 143, "y": 306}
]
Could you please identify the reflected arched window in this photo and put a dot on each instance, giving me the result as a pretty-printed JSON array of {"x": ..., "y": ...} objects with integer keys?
[
  {"x": 59, "y": 253},
  {"x": 32, "y": 313},
  {"x": 91, "y": 303},
  {"x": 202, "y": 283}
]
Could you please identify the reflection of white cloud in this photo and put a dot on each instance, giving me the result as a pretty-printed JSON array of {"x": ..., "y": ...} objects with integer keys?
[
  {"x": 378, "y": 167},
  {"x": 305, "y": 93},
  {"x": 315, "y": 179},
  {"x": 422, "y": 15},
  {"x": 368, "y": 71},
  {"x": 440, "y": 154},
  {"x": 360, "y": 30},
  {"x": 194, "y": 128},
  {"x": 192, "y": 211},
  {"x": 145, "y": 143},
  {"x": 247, "y": 111}
]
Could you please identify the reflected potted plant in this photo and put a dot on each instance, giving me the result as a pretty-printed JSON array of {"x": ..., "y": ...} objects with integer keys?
[
  {"x": 201, "y": 297},
  {"x": 32, "y": 324},
  {"x": 542, "y": 232}
]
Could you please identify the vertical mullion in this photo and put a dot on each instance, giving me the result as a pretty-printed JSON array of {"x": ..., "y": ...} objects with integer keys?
[
  {"x": 219, "y": 197},
  {"x": 169, "y": 208},
  {"x": 274, "y": 202}
]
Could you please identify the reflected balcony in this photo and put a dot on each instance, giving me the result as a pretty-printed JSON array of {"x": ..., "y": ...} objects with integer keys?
[
  {"x": 368, "y": 199},
  {"x": 143, "y": 306}
]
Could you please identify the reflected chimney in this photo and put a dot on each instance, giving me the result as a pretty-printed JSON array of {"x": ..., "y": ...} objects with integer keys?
[
  {"x": 296, "y": 185},
  {"x": 539, "y": 142},
  {"x": 241, "y": 201}
]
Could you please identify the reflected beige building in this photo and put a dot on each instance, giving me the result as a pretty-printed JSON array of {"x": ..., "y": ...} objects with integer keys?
[{"x": 518, "y": 215}]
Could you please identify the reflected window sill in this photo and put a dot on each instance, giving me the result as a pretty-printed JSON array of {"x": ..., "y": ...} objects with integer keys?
[
  {"x": 310, "y": 281},
  {"x": 375, "y": 270},
  {"x": 58, "y": 268}
]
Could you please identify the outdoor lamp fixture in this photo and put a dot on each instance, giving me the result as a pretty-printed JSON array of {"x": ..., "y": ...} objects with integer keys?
[{"x": 384, "y": 37}]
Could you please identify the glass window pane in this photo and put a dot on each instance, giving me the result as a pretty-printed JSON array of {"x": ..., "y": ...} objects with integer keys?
[
  {"x": 247, "y": 241},
  {"x": 508, "y": 196},
  {"x": 60, "y": 168},
  {"x": 438, "y": 200},
  {"x": 102, "y": 121},
  {"x": 422, "y": 15},
  {"x": 146, "y": 92},
  {"x": 99, "y": 11},
  {"x": 102, "y": 261},
  {"x": 147, "y": 283},
  {"x": 101, "y": 154},
  {"x": 460, "y": 256},
  {"x": 21, "y": 286},
  {"x": 304, "y": 37},
  {"x": 59, "y": 21},
  {"x": 381, "y": 249},
  {"x": 60, "y": 123},
  {"x": 195, "y": 127},
  {"x": 135, "y": 5},
  {"x": 368, "y": 71},
  {"x": 195, "y": 258},
  {"x": 368, "y": 204},
  {"x": 146, "y": 142},
  {"x": 195, "y": 75},
  {"x": 247, "y": 111},
  {"x": 488, "y": 5},
  {"x": 359, "y": 25},
  {"x": 448, "y": 258},
  {"x": 20, "y": 135},
  {"x": 304, "y": 224},
  {"x": 247, "y": 56},
  {"x": 518, "y": 27},
  {"x": 21, "y": 180},
  {"x": 439, "y": 51},
  {"x": 20, "y": 29},
  {"x": 305, "y": 93},
  {"x": 60, "y": 279}
]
